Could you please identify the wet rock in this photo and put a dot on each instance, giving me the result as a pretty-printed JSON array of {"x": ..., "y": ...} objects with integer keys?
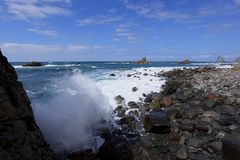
[
  {"x": 145, "y": 74},
  {"x": 231, "y": 147},
  {"x": 157, "y": 122},
  {"x": 182, "y": 153},
  {"x": 119, "y": 99},
  {"x": 112, "y": 74},
  {"x": 132, "y": 104},
  {"x": 128, "y": 120},
  {"x": 120, "y": 111},
  {"x": 134, "y": 89},
  {"x": 129, "y": 75},
  {"x": 221, "y": 135}
]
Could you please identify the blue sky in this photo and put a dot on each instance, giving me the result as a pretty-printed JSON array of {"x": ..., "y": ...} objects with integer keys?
[{"x": 88, "y": 30}]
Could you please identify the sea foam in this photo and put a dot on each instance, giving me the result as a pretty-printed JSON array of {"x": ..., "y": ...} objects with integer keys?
[{"x": 70, "y": 119}]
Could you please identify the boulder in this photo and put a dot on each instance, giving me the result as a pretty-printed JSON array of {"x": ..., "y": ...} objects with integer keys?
[
  {"x": 231, "y": 147},
  {"x": 20, "y": 137},
  {"x": 220, "y": 59},
  {"x": 134, "y": 89},
  {"x": 33, "y": 64},
  {"x": 143, "y": 61},
  {"x": 157, "y": 122}
]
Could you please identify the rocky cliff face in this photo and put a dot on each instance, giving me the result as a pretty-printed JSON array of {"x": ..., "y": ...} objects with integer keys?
[{"x": 20, "y": 137}]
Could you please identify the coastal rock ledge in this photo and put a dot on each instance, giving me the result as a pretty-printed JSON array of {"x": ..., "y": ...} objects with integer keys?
[{"x": 20, "y": 137}]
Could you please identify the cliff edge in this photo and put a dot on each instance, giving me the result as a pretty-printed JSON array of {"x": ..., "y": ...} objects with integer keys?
[{"x": 20, "y": 137}]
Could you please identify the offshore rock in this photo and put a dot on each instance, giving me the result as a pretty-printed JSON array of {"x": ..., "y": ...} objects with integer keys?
[
  {"x": 33, "y": 64},
  {"x": 20, "y": 137},
  {"x": 143, "y": 61}
]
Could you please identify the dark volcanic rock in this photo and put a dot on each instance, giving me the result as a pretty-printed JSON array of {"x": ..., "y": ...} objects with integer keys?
[
  {"x": 20, "y": 137},
  {"x": 33, "y": 64},
  {"x": 157, "y": 122},
  {"x": 231, "y": 147}
]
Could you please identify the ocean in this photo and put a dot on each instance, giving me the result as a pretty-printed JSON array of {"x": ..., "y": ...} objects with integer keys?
[{"x": 72, "y": 100}]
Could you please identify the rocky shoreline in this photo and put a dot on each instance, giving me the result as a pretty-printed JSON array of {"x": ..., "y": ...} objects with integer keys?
[{"x": 196, "y": 116}]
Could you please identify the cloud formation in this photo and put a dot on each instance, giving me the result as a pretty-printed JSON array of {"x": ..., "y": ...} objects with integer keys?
[
  {"x": 36, "y": 9},
  {"x": 43, "y": 32},
  {"x": 99, "y": 20}
]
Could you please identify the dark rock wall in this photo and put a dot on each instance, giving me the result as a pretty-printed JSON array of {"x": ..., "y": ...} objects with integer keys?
[{"x": 20, "y": 137}]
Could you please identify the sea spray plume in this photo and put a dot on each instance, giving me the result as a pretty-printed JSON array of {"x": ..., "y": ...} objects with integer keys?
[{"x": 70, "y": 119}]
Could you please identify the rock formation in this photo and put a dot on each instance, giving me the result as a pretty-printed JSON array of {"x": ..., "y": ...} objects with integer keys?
[
  {"x": 237, "y": 60},
  {"x": 143, "y": 61},
  {"x": 220, "y": 59},
  {"x": 186, "y": 61},
  {"x": 20, "y": 137},
  {"x": 33, "y": 64}
]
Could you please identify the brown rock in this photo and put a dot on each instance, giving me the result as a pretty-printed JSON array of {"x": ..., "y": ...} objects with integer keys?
[{"x": 167, "y": 101}]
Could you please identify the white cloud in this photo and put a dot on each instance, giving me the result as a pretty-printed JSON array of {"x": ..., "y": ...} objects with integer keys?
[
  {"x": 236, "y": 1},
  {"x": 43, "y": 32},
  {"x": 32, "y": 9},
  {"x": 156, "y": 10},
  {"x": 25, "y": 48},
  {"x": 99, "y": 20}
]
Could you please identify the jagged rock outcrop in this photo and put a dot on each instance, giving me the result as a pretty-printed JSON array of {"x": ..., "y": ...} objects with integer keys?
[
  {"x": 220, "y": 59},
  {"x": 20, "y": 137},
  {"x": 143, "y": 61}
]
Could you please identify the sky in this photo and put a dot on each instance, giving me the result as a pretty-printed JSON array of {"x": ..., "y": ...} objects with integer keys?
[{"x": 105, "y": 30}]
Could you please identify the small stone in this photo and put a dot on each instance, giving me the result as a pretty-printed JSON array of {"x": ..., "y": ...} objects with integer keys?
[
  {"x": 167, "y": 101},
  {"x": 187, "y": 127},
  {"x": 191, "y": 113},
  {"x": 182, "y": 140},
  {"x": 211, "y": 114},
  {"x": 221, "y": 135},
  {"x": 129, "y": 120},
  {"x": 194, "y": 142},
  {"x": 201, "y": 127},
  {"x": 210, "y": 103},
  {"x": 134, "y": 89},
  {"x": 173, "y": 136},
  {"x": 181, "y": 153}
]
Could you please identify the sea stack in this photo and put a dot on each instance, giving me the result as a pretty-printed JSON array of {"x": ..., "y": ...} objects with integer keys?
[
  {"x": 220, "y": 59},
  {"x": 20, "y": 137},
  {"x": 143, "y": 61}
]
